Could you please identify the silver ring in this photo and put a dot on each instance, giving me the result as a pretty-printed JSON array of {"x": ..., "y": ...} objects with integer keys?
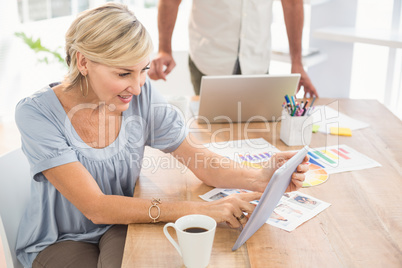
[{"x": 241, "y": 217}]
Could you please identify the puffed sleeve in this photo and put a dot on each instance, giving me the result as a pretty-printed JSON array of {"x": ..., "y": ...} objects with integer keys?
[
  {"x": 43, "y": 140},
  {"x": 167, "y": 127}
]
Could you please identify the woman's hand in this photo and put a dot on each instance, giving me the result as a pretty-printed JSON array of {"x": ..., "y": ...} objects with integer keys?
[
  {"x": 230, "y": 209},
  {"x": 276, "y": 162},
  {"x": 298, "y": 177}
]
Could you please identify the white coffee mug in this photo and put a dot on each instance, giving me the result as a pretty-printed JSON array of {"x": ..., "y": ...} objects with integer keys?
[{"x": 194, "y": 247}]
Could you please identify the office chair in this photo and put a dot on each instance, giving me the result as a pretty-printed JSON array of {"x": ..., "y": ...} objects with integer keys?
[{"x": 15, "y": 184}]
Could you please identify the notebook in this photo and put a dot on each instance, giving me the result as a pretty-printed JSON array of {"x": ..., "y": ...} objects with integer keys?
[{"x": 243, "y": 98}]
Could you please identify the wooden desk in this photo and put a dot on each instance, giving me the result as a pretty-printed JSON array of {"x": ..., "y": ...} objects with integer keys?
[{"x": 362, "y": 227}]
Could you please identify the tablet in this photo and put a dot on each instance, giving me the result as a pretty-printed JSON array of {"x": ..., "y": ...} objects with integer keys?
[{"x": 271, "y": 196}]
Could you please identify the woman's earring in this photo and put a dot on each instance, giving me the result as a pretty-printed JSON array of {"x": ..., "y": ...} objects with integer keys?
[{"x": 82, "y": 91}]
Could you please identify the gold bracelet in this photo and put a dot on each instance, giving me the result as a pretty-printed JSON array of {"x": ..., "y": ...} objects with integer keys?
[{"x": 155, "y": 202}]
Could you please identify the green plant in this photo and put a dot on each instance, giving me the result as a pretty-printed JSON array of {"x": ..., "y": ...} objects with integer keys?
[
  {"x": 150, "y": 3},
  {"x": 37, "y": 47}
]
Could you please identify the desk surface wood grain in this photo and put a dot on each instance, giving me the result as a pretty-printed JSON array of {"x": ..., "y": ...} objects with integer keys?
[{"x": 361, "y": 228}]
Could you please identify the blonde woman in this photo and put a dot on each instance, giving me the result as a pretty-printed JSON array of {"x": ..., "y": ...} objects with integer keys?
[{"x": 85, "y": 139}]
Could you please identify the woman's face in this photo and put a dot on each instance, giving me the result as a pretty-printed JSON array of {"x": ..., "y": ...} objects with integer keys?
[{"x": 116, "y": 85}]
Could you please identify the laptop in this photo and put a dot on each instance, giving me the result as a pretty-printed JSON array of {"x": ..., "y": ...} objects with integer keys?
[{"x": 243, "y": 98}]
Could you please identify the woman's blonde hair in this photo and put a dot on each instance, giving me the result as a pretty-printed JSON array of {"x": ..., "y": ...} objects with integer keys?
[{"x": 109, "y": 35}]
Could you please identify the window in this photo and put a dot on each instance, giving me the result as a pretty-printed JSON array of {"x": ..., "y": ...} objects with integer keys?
[
  {"x": 376, "y": 72},
  {"x": 35, "y": 10}
]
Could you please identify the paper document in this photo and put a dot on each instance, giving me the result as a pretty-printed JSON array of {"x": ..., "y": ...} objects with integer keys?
[
  {"x": 293, "y": 209},
  {"x": 340, "y": 158},
  {"x": 326, "y": 117},
  {"x": 332, "y": 159},
  {"x": 250, "y": 150}
]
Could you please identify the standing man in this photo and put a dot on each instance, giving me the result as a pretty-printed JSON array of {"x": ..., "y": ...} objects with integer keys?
[{"x": 229, "y": 37}]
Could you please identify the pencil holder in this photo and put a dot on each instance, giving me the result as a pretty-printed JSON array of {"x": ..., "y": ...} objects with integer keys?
[{"x": 296, "y": 130}]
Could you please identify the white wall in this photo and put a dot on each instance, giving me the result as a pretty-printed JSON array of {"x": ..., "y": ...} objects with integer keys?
[
  {"x": 21, "y": 74},
  {"x": 178, "y": 82},
  {"x": 332, "y": 77}
]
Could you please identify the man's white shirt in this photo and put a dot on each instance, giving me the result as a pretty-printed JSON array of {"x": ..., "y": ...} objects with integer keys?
[{"x": 222, "y": 30}]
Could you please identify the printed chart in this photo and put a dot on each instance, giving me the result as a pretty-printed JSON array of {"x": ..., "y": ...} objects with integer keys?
[
  {"x": 315, "y": 176},
  {"x": 256, "y": 158},
  {"x": 323, "y": 161},
  {"x": 340, "y": 158},
  {"x": 242, "y": 151}
]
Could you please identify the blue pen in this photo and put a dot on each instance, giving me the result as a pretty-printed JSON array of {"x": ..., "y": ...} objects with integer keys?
[
  {"x": 287, "y": 99},
  {"x": 292, "y": 107},
  {"x": 293, "y": 99}
]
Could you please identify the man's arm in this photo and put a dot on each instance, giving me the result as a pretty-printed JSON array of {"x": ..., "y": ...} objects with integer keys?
[
  {"x": 167, "y": 15},
  {"x": 293, "y": 12}
]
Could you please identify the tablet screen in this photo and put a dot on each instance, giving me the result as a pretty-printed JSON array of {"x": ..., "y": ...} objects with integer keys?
[{"x": 271, "y": 196}]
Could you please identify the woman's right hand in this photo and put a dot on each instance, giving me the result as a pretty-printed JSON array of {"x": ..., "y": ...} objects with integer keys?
[{"x": 230, "y": 209}]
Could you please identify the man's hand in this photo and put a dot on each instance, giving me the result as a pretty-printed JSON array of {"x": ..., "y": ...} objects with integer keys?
[
  {"x": 161, "y": 66},
  {"x": 305, "y": 81}
]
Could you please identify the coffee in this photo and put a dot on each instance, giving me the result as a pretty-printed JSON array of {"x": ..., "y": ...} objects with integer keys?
[
  {"x": 195, "y": 230},
  {"x": 195, "y": 234}
]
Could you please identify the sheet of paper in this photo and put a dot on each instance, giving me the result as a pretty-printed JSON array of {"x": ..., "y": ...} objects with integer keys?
[
  {"x": 326, "y": 117},
  {"x": 340, "y": 158},
  {"x": 250, "y": 150},
  {"x": 333, "y": 159},
  {"x": 292, "y": 210}
]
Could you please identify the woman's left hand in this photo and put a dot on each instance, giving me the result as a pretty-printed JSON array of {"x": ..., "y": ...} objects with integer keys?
[{"x": 276, "y": 162}]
